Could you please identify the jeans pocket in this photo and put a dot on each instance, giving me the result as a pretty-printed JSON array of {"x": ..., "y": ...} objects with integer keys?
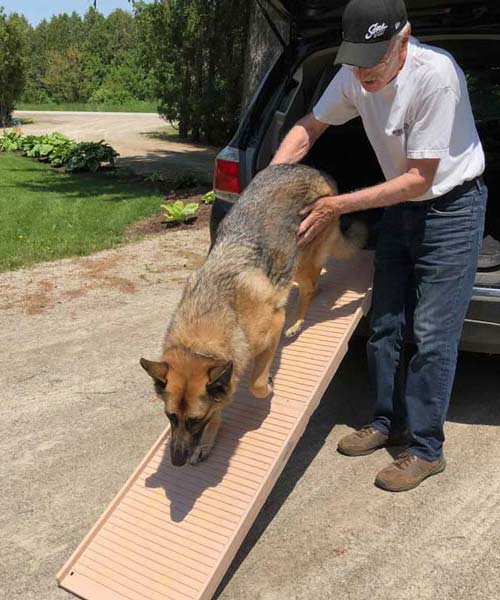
[{"x": 456, "y": 207}]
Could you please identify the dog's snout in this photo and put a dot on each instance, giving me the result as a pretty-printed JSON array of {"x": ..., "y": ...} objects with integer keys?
[{"x": 178, "y": 456}]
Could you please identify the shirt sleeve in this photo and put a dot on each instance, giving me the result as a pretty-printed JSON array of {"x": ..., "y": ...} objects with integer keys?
[
  {"x": 430, "y": 131},
  {"x": 336, "y": 106}
]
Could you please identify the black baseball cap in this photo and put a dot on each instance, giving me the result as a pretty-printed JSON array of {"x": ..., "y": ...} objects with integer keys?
[{"x": 367, "y": 29}]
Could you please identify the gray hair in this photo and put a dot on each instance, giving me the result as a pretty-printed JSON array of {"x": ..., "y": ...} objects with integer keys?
[{"x": 401, "y": 34}]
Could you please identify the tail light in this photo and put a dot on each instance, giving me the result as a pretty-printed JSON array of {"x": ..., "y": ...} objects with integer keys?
[{"x": 227, "y": 178}]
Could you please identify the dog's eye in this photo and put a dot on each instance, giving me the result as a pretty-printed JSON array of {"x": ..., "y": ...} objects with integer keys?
[
  {"x": 173, "y": 419},
  {"x": 160, "y": 387}
]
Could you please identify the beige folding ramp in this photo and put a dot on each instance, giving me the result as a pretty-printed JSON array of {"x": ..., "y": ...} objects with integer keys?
[{"x": 171, "y": 533}]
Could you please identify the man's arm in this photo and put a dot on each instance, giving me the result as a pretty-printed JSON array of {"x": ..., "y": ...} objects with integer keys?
[
  {"x": 412, "y": 184},
  {"x": 299, "y": 140}
]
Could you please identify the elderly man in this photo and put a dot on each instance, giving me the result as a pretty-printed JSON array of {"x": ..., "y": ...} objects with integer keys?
[{"x": 415, "y": 108}]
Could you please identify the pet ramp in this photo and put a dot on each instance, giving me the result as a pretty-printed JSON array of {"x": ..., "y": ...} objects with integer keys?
[{"x": 171, "y": 533}]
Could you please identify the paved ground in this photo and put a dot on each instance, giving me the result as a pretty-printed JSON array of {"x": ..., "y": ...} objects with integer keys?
[
  {"x": 124, "y": 131},
  {"x": 78, "y": 414}
]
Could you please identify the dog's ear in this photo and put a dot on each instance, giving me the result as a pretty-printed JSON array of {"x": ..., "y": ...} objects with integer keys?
[
  {"x": 157, "y": 370},
  {"x": 219, "y": 379}
]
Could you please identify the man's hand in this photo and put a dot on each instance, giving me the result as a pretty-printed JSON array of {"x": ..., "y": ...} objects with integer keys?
[
  {"x": 319, "y": 214},
  {"x": 415, "y": 182}
]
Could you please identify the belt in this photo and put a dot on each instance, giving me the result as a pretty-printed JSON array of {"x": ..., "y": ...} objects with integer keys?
[
  {"x": 477, "y": 182},
  {"x": 458, "y": 190}
]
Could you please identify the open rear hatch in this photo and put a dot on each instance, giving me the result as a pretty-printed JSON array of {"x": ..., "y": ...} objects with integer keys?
[
  {"x": 314, "y": 22},
  {"x": 311, "y": 19}
]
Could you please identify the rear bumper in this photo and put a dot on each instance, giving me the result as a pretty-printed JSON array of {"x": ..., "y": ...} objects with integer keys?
[{"x": 481, "y": 331}]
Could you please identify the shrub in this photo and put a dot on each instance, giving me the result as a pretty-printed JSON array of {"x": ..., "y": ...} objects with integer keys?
[
  {"x": 112, "y": 91},
  {"x": 88, "y": 156},
  {"x": 185, "y": 181},
  {"x": 60, "y": 150}
]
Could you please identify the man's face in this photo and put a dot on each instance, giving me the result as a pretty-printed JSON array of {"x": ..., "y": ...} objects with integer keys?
[{"x": 376, "y": 78}]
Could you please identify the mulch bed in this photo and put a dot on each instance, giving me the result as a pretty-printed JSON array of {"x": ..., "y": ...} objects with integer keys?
[{"x": 157, "y": 223}]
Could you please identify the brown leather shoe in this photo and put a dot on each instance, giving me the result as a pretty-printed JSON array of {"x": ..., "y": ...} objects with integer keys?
[
  {"x": 408, "y": 471},
  {"x": 368, "y": 439}
]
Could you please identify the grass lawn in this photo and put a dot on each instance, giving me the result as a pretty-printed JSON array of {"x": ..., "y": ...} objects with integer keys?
[
  {"x": 46, "y": 215},
  {"x": 134, "y": 106}
]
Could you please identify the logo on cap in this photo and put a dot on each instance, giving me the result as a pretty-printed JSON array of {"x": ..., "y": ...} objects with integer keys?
[{"x": 375, "y": 31}]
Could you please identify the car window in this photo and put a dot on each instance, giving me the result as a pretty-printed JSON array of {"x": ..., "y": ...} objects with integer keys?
[
  {"x": 484, "y": 91},
  {"x": 480, "y": 61}
]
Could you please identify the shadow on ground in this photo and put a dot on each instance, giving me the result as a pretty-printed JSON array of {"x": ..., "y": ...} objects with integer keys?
[
  {"x": 348, "y": 402},
  {"x": 351, "y": 381},
  {"x": 172, "y": 163}
]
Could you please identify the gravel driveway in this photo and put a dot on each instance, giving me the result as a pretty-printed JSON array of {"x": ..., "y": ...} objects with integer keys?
[{"x": 125, "y": 132}]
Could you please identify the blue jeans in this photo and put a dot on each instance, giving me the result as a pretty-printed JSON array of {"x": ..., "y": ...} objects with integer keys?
[{"x": 425, "y": 262}]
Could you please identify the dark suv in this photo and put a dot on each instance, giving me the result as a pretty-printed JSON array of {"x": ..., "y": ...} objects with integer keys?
[{"x": 469, "y": 29}]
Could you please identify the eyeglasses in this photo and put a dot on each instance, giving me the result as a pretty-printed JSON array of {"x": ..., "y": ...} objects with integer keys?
[{"x": 380, "y": 65}]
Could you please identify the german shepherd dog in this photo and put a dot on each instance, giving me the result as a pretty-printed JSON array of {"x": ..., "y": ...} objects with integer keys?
[{"x": 232, "y": 310}]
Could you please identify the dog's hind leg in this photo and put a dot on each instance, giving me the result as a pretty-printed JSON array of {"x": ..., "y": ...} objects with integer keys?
[
  {"x": 307, "y": 278},
  {"x": 260, "y": 384}
]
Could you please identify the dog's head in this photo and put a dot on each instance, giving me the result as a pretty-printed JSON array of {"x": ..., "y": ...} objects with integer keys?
[{"x": 194, "y": 389}]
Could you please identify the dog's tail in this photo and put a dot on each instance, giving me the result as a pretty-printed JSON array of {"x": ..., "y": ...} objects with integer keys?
[{"x": 350, "y": 242}]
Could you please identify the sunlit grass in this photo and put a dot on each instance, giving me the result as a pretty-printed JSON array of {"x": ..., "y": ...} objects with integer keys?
[{"x": 46, "y": 215}]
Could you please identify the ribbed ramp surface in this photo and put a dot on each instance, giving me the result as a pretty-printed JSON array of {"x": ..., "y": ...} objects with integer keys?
[{"x": 171, "y": 533}]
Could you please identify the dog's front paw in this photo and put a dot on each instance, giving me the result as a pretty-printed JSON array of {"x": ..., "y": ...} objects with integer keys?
[
  {"x": 262, "y": 391},
  {"x": 200, "y": 454},
  {"x": 295, "y": 328}
]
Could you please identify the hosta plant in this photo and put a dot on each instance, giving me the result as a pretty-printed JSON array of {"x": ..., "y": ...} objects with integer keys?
[
  {"x": 154, "y": 177},
  {"x": 10, "y": 141},
  {"x": 88, "y": 156},
  {"x": 209, "y": 197},
  {"x": 44, "y": 147},
  {"x": 178, "y": 212}
]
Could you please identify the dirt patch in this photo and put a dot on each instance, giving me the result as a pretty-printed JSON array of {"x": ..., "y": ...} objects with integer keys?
[
  {"x": 109, "y": 276},
  {"x": 39, "y": 300},
  {"x": 99, "y": 272}
]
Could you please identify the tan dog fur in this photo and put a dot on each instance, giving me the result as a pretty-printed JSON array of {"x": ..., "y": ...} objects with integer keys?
[{"x": 233, "y": 308}]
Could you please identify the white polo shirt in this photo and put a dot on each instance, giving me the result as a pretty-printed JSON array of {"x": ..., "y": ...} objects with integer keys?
[{"x": 424, "y": 112}]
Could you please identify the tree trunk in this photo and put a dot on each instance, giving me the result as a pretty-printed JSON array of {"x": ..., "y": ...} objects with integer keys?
[{"x": 262, "y": 49}]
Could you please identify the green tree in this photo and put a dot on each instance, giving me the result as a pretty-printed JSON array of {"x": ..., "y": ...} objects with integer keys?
[
  {"x": 34, "y": 90},
  {"x": 60, "y": 34},
  {"x": 95, "y": 46},
  {"x": 67, "y": 78},
  {"x": 64, "y": 32},
  {"x": 13, "y": 57},
  {"x": 196, "y": 49}
]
